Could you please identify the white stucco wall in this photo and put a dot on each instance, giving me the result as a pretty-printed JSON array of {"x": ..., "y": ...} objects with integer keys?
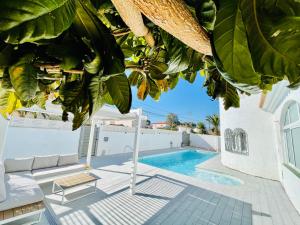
[
  {"x": 258, "y": 124},
  {"x": 290, "y": 181},
  {"x": 210, "y": 142},
  {"x": 25, "y": 142},
  {"x": 291, "y": 184},
  {"x": 121, "y": 140},
  {"x": 3, "y": 128}
]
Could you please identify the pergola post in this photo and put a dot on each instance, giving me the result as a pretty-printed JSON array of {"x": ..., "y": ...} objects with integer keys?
[
  {"x": 91, "y": 143},
  {"x": 136, "y": 152}
]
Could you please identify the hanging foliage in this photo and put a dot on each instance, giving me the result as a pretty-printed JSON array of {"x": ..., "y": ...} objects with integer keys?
[{"x": 81, "y": 54}]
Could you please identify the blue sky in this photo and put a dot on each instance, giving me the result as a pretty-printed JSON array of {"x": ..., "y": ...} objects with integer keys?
[{"x": 189, "y": 101}]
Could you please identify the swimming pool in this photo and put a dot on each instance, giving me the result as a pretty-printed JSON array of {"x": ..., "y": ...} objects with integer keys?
[{"x": 185, "y": 162}]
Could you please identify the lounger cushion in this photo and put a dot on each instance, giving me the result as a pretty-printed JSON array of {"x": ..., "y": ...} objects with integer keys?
[
  {"x": 2, "y": 183},
  {"x": 21, "y": 189},
  {"x": 67, "y": 159},
  {"x": 57, "y": 171},
  {"x": 18, "y": 164},
  {"x": 41, "y": 162}
]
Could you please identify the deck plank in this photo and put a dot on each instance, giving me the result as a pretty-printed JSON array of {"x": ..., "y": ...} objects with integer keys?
[{"x": 7, "y": 214}]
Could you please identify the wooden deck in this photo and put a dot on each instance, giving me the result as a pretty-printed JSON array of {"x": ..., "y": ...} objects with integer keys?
[
  {"x": 21, "y": 211},
  {"x": 164, "y": 197}
]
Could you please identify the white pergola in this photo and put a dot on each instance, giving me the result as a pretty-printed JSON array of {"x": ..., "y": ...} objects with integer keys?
[
  {"x": 109, "y": 114},
  {"x": 106, "y": 113}
]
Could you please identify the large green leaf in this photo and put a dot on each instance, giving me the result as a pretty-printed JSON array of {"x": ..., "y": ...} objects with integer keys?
[
  {"x": 94, "y": 65},
  {"x": 89, "y": 26},
  {"x": 173, "y": 81},
  {"x": 134, "y": 78},
  {"x": 68, "y": 50},
  {"x": 143, "y": 89},
  {"x": 120, "y": 92},
  {"x": 5, "y": 82},
  {"x": 29, "y": 20},
  {"x": 217, "y": 86},
  {"x": 230, "y": 41},
  {"x": 9, "y": 102},
  {"x": 6, "y": 54},
  {"x": 71, "y": 92},
  {"x": 206, "y": 13},
  {"x": 177, "y": 58},
  {"x": 157, "y": 69},
  {"x": 195, "y": 64},
  {"x": 154, "y": 91},
  {"x": 23, "y": 76},
  {"x": 74, "y": 98},
  {"x": 273, "y": 29},
  {"x": 97, "y": 91}
]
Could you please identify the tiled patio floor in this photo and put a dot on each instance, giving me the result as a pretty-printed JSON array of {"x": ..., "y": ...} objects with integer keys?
[{"x": 164, "y": 197}]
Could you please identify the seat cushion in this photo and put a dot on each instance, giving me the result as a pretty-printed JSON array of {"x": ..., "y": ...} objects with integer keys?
[
  {"x": 18, "y": 164},
  {"x": 21, "y": 189},
  {"x": 41, "y": 162},
  {"x": 57, "y": 171},
  {"x": 69, "y": 159},
  {"x": 2, "y": 183}
]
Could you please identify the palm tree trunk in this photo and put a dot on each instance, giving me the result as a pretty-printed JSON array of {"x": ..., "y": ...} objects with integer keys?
[
  {"x": 133, "y": 19},
  {"x": 171, "y": 15}
]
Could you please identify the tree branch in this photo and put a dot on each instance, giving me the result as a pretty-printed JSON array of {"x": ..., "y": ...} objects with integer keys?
[
  {"x": 55, "y": 69},
  {"x": 118, "y": 34},
  {"x": 135, "y": 68}
]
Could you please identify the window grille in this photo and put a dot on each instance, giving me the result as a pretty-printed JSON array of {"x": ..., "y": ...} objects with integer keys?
[
  {"x": 291, "y": 134},
  {"x": 236, "y": 141}
]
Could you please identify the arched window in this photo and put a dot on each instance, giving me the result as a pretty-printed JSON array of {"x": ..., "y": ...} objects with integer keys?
[
  {"x": 228, "y": 140},
  {"x": 291, "y": 130},
  {"x": 241, "y": 142}
]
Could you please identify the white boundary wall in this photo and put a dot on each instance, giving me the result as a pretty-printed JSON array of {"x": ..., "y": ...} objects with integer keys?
[
  {"x": 209, "y": 142},
  {"x": 118, "y": 139},
  {"x": 29, "y": 137}
]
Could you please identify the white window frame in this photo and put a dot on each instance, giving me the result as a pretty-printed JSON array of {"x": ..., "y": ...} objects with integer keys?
[{"x": 288, "y": 128}]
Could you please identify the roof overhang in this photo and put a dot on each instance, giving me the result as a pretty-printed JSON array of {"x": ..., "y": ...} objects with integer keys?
[
  {"x": 273, "y": 99},
  {"x": 105, "y": 113}
]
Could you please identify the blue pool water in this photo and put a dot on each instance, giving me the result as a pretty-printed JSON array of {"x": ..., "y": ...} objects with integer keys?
[{"x": 185, "y": 162}]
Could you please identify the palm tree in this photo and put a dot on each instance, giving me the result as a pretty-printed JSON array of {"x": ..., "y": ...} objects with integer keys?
[
  {"x": 214, "y": 121},
  {"x": 172, "y": 120},
  {"x": 202, "y": 128}
]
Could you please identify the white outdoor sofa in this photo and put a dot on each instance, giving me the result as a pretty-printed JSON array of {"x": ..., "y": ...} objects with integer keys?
[{"x": 20, "y": 194}]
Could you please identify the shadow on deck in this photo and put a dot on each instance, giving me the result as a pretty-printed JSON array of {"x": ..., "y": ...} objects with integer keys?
[{"x": 158, "y": 200}]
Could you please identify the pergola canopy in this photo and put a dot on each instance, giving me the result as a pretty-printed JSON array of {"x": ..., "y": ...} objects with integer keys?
[{"x": 106, "y": 113}]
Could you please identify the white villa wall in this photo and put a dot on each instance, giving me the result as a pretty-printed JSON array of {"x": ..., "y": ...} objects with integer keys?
[
  {"x": 121, "y": 140},
  {"x": 210, "y": 142},
  {"x": 3, "y": 128},
  {"x": 258, "y": 124},
  {"x": 291, "y": 184},
  {"x": 28, "y": 141},
  {"x": 290, "y": 181}
]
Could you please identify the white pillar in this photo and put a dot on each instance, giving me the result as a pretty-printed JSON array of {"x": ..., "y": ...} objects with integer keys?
[
  {"x": 91, "y": 143},
  {"x": 136, "y": 152}
]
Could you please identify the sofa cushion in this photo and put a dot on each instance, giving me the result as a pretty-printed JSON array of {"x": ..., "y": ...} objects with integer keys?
[
  {"x": 2, "y": 183},
  {"x": 67, "y": 159},
  {"x": 21, "y": 189},
  {"x": 41, "y": 162},
  {"x": 18, "y": 164},
  {"x": 46, "y": 173}
]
